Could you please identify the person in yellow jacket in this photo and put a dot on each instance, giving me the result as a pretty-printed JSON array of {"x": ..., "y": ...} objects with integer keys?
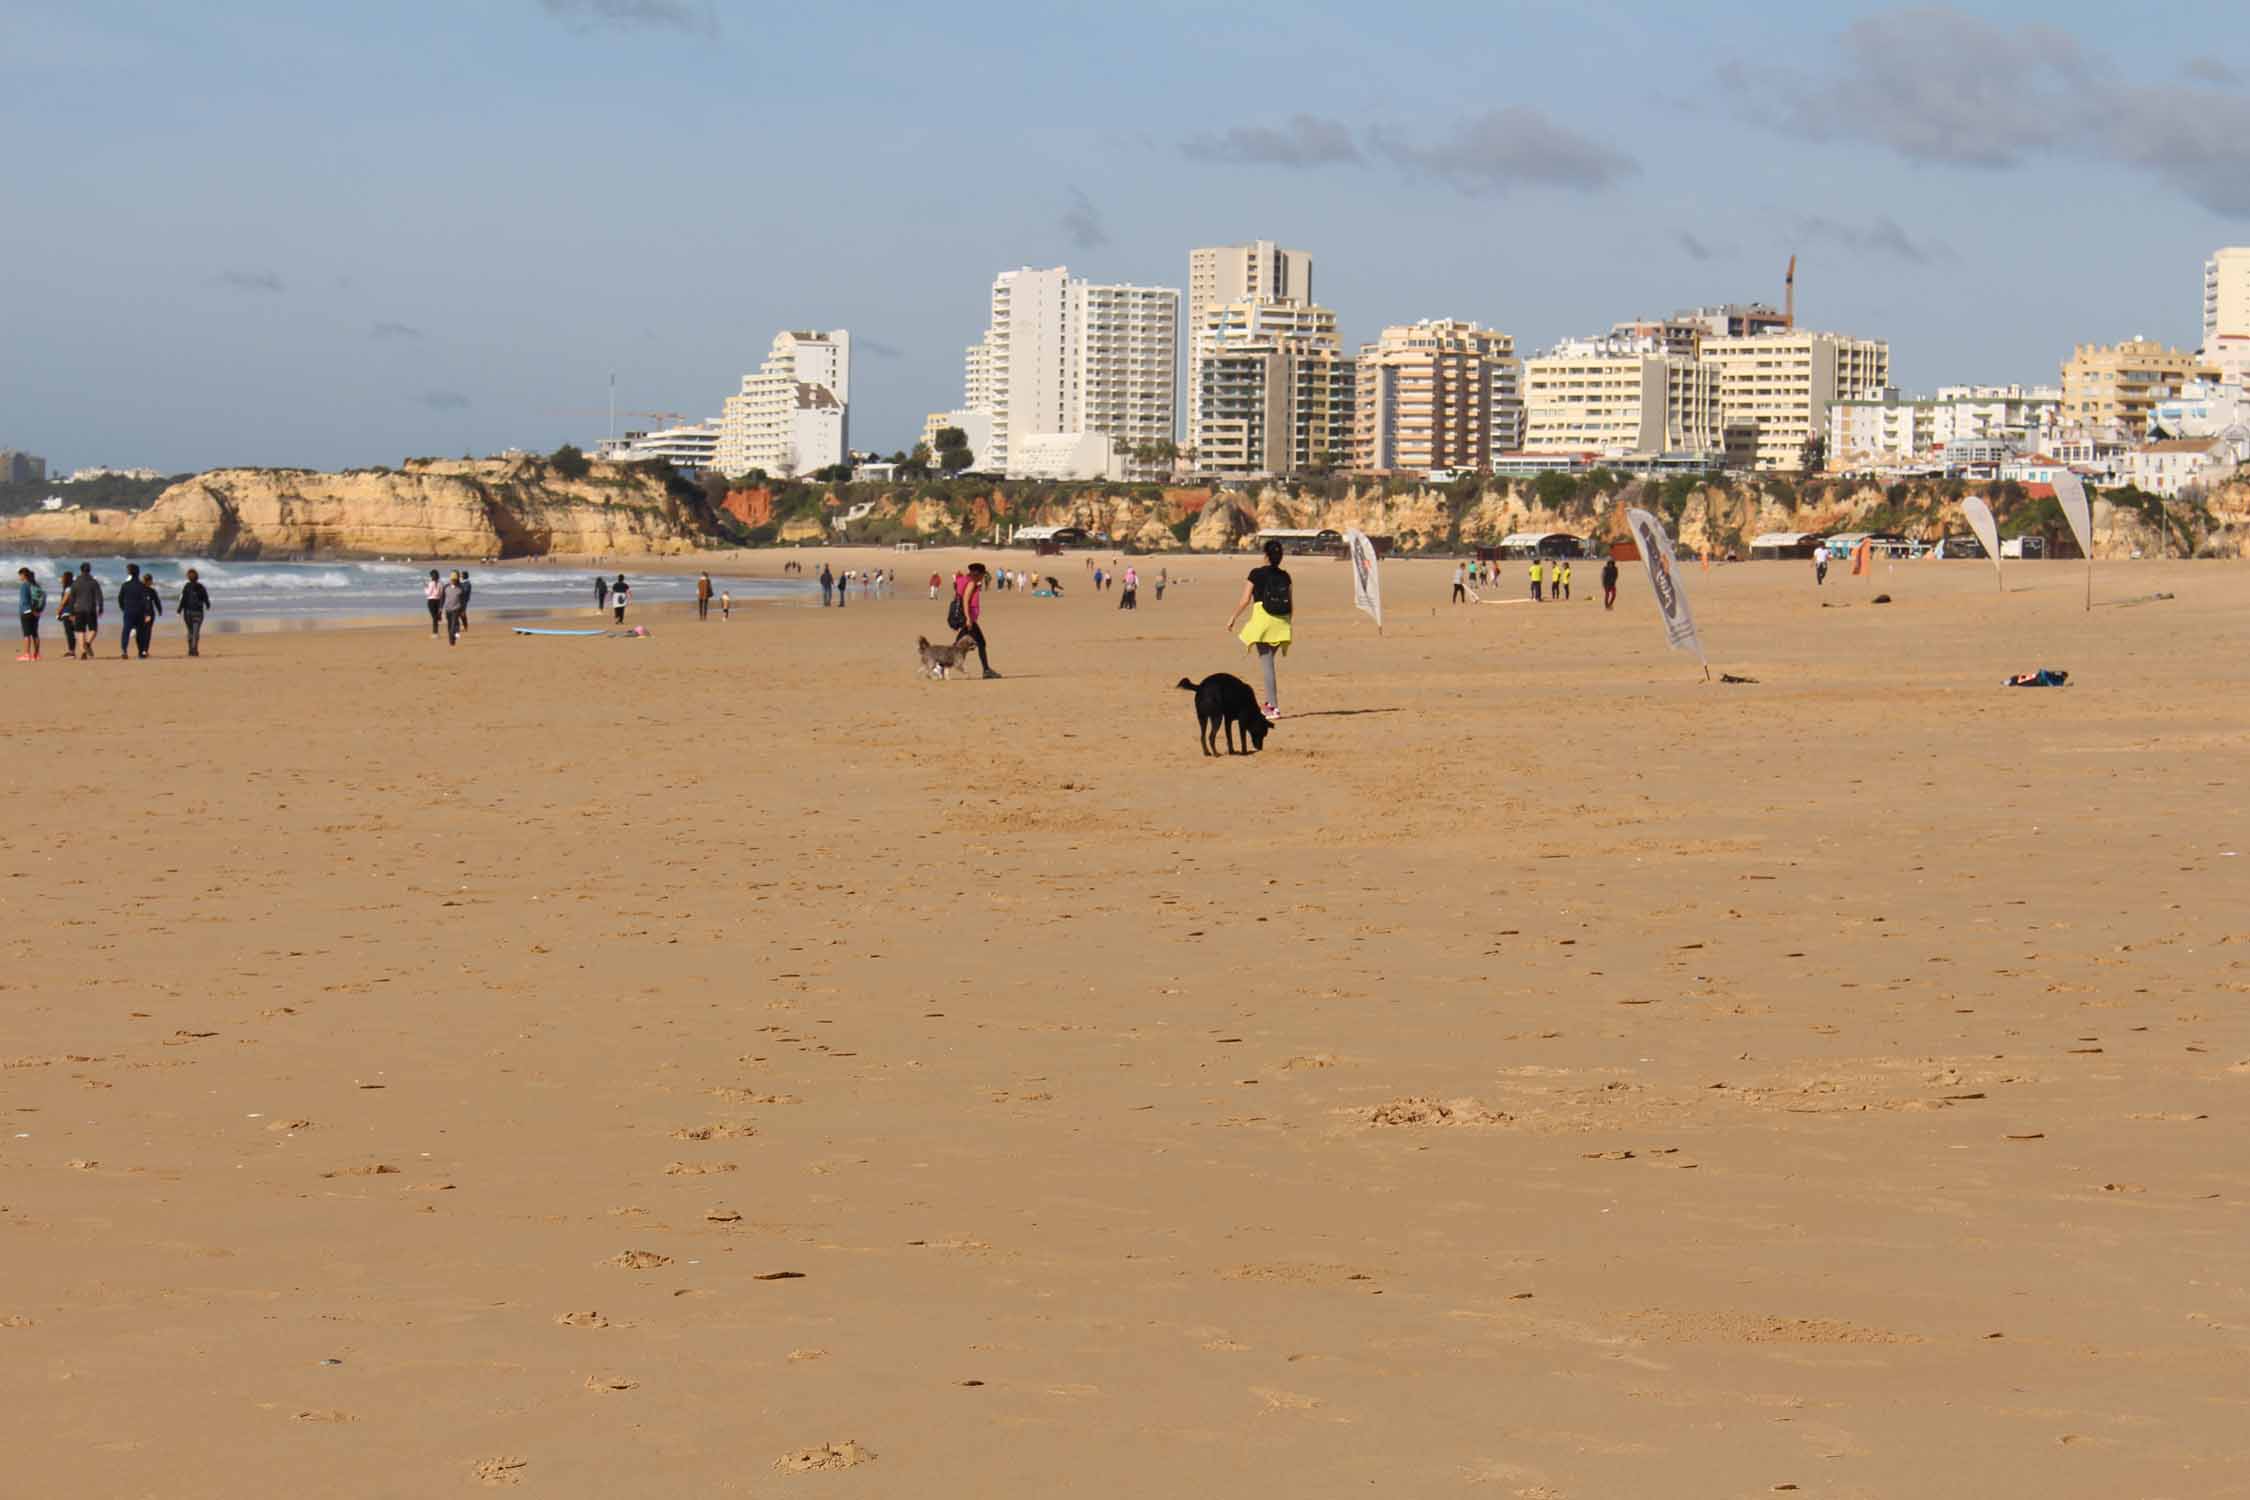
[
  {"x": 1562, "y": 580},
  {"x": 1538, "y": 576}
]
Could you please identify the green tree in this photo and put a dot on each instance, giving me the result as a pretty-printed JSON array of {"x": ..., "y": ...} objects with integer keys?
[
  {"x": 1813, "y": 457},
  {"x": 569, "y": 462},
  {"x": 953, "y": 453}
]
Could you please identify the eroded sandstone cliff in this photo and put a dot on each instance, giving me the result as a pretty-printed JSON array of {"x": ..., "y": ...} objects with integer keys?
[{"x": 516, "y": 507}]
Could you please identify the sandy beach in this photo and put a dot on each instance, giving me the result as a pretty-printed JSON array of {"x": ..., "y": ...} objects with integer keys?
[{"x": 725, "y": 1063}]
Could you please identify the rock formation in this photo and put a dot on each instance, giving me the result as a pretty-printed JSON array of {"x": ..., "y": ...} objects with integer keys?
[{"x": 516, "y": 507}]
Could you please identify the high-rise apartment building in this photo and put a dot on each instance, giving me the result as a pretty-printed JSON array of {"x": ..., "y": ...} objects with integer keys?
[
  {"x": 793, "y": 414},
  {"x": 1775, "y": 389},
  {"x": 1066, "y": 356},
  {"x": 1125, "y": 380},
  {"x": 1259, "y": 271},
  {"x": 2108, "y": 389},
  {"x": 1274, "y": 389},
  {"x": 1425, "y": 395},
  {"x": 18, "y": 467},
  {"x": 1621, "y": 398},
  {"x": 2226, "y": 313}
]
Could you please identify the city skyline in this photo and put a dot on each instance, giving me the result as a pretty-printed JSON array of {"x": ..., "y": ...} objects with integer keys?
[{"x": 358, "y": 238}]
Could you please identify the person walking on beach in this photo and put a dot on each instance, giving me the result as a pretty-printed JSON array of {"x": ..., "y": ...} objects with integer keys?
[
  {"x": 1538, "y": 575},
  {"x": 452, "y": 599},
  {"x": 601, "y": 594},
  {"x": 726, "y": 605},
  {"x": 1131, "y": 598},
  {"x": 1460, "y": 591},
  {"x": 194, "y": 602},
  {"x": 63, "y": 614},
  {"x": 966, "y": 616},
  {"x": 1268, "y": 595},
  {"x": 935, "y": 581},
  {"x": 31, "y": 603},
  {"x": 86, "y": 604},
  {"x": 1609, "y": 584},
  {"x": 132, "y": 610},
  {"x": 465, "y": 587},
  {"x": 433, "y": 594},
  {"x": 1163, "y": 577},
  {"x": 619, "y": 593},
  {"x": 1820, "y": 566},
  {"x": 827, "y": 585},
  {"x": 703, "y": 597}
]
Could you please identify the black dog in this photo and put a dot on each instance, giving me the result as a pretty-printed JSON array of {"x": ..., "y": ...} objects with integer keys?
[{"x": 1224, "y": 701}]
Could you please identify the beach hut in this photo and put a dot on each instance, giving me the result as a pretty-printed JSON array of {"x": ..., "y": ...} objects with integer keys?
[
  {"x": 1527, "y": 544},
  {"x": 1770, "y": 545}
]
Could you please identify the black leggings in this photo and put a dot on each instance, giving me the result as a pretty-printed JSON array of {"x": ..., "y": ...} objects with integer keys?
[
  {"x": 975, "y": 632},
  {"x": 437, "y": 616},
  {"x": 193, "y": 620}
]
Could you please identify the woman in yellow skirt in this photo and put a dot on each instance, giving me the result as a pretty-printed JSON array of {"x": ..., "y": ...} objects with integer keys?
[{"x": 1267, "y": 595}]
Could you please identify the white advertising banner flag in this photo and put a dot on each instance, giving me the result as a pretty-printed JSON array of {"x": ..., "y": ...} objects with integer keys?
[
  {"x": 2070, "y": 494},
  {"x": 1664, "y": 580},
  {"x": 1980, "y": 522},
  {"x": 1367, "y": 581}
]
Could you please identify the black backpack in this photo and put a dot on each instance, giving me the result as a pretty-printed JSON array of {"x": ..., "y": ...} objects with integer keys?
[
  {"x": 1273, "y": 592},
  {"x": 956, "y": 616}
]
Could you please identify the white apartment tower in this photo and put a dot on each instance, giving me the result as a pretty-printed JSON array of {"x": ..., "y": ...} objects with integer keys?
[
  {"x": 792, "y": 415},
  {"x": 1259, "y": 271},
  {"x": 1068, "y": 356},
  {"x": 2226, "y": 313}
]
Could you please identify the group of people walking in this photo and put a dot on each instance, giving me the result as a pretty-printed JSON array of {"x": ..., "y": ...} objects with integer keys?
[
  {"x": 448, "y": 599},
  {"x": 79, "y": 602}
]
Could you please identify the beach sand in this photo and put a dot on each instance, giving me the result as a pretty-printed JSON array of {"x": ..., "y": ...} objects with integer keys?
[{"x": 708, "y": 1064}]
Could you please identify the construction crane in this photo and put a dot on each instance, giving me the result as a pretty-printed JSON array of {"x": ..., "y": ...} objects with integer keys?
[{"x": 1789, "y": 288}]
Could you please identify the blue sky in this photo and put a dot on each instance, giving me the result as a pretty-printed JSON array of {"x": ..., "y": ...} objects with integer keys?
[{"x": 332, "y": 234}]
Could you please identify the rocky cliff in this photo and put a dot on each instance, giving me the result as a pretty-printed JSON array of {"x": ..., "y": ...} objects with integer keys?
[
  {"x": 516, "y": 507},
  {"x": 1720, "y": 516}
]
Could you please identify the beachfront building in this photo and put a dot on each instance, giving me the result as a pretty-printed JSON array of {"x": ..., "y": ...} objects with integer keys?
[
  {"x": 1063, "y": 357},
  {"x": 2226, "y": 313},
  {"x": 18, "y": 467},
  {"x": 2110, "y": 389},
  {"x": 1891, "y": 431},
  {"x": 1621, "y": 397},
  {"x": 99, "y": 471},
  {"x": 1776, "y": 388},
  {"x": 1258, "y": 271},
  {"x": 1732, "y": 320},
  {"x": 1125, "y": 376},
  {"x": 1273, "y": 391},
  {"x": 793, "y": 414},
  {"x": 2171, "y": 465},
  {"x": 1425, "y": 395},
  {"x": 2203, "y": 408},
  {"x": 690, "y": 447},
  {"x": 1676, "y": 335}
]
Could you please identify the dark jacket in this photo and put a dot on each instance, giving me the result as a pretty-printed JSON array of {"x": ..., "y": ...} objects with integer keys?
[
  {"x": 86, "y": 596},
  {"x": 133, "y": 599},
  {"x": 194, "y": 598}
]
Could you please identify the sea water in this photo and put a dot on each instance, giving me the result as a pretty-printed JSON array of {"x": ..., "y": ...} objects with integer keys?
[{"x": 271, "y": 594}]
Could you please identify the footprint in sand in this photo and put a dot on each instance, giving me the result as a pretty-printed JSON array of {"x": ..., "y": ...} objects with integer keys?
[
  {"x": 845, "y": 1455},
  {"x": 723, "y": 1130},
  {"x": 326, "y": 1416},
  {"x": 638, "y": 1260},
  {"x": 581, "y": 1320},
  {"x": 699, "y": 1168},
  {"x": 610, "y": 1382},
  {"x": 494, "y": 1472}
]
